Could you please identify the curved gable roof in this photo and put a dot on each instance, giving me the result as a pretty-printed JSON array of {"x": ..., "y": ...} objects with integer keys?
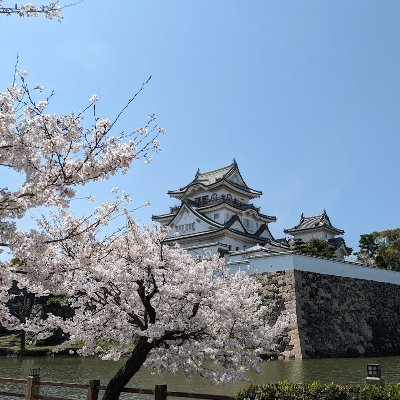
[
  {"x": 184, "y": 206},
  {"x": 313, "y": 223},
  {"x": 210, "y": 178}
]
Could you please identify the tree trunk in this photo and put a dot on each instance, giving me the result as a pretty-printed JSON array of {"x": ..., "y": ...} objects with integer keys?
[
  {"x": 22, "y": 337},
  {"x": 125, "y": 373}
]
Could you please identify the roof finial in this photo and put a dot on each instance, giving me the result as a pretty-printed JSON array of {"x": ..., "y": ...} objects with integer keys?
[
  {"x": 324, "y": 212},
  {"x": 234, "y": 161},
  {"x": 301, "y": 217}
]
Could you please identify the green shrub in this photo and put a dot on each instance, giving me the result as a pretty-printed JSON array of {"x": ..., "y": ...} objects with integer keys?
[{"x": 319, "y": 391}]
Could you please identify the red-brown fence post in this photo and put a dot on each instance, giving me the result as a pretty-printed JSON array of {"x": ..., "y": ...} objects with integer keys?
[
  {"x": 93, "y": 390},
  {"x": 32, "y": 387},
  {"x": 160, "y": 392}
]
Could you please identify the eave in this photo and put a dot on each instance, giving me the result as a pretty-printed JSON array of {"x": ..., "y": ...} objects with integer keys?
[
  {"x": 316, "y": 228},
  {"x": 162, "y": 216},
  {"x": 251, "y": 193},
  {"x": 216, "y": 233},
  {"x": 232, "y": 207}
]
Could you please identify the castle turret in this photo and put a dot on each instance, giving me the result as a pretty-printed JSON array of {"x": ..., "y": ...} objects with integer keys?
[
  {"x": 320, "y": 226},
  {"x": 215, "y": 212}
]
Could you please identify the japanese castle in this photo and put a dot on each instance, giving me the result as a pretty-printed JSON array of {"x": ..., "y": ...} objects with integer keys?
[{"x": 216, "y": 215}]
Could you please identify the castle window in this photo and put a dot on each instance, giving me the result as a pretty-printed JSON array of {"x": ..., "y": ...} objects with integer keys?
[
  {"x": 185, "y": 227},
  {"x": 214, "y": 196},
  {"x": 216, "y": 216},
  {"x": 248, "y": 224}
]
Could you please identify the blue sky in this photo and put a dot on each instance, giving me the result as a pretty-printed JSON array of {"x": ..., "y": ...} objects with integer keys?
[{"x": 304, "y": 94}]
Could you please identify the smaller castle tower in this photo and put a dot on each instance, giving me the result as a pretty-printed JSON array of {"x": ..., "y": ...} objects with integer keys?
[{"x": 320, "y": 226}]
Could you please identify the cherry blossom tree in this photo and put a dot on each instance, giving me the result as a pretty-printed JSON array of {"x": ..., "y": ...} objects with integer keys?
[
  {"x": 132, "y": 295},
  {"x": 56, "y": 153},
  {"x": 129, "y": 289},
  {"x": 126, "y": 288}
]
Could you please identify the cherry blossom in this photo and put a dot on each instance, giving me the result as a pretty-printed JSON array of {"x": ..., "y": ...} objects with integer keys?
[
  {"x": 129, "y": 288},
  {"x": 50, "y": 10},
  {"x": 55, "y": 154}
]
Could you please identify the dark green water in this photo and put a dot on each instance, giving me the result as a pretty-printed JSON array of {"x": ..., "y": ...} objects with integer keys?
[{"x": 80, "y": 369}]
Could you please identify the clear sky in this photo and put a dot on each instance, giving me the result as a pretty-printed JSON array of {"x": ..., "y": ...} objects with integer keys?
[{"x": 304, "y": 94}]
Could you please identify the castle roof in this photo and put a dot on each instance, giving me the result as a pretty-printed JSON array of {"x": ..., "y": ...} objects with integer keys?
[
  {"x": 217, "y": 233},
  {"x": 233, "y": 225},
  {"x": 316, "y": 222},
  {"x": 215, "y": 204},
  {"x": 229, "y": 175}
]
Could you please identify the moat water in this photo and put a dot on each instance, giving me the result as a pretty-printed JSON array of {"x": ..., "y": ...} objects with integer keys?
[{"x": 80, "y": 369}]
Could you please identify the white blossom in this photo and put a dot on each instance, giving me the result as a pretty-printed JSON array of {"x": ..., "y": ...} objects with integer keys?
[
  {"x": 193, "y": 315},
  {"x": 50, "y": 10},
  {"x": 39, "y": 87},
  {"x": 23, "y": 73},
  {"x": 30, "y": 143},
  {"x": 41, "y": 105},
  {"x": 128, "y": 288}
]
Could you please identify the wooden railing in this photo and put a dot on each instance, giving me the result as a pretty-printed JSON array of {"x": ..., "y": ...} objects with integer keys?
[{"x": 34, "y": 383}]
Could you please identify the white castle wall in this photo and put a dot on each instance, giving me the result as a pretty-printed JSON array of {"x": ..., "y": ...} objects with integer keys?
[
  {"x": 306, "y": 236},
  {"x": 272, "y": 263}
]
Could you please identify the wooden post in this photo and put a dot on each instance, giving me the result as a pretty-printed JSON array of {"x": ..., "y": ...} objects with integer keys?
[
  {"x": 32, "y": 387},
  {"x": 93, "y": 390},
  {"x": 160, "y": 392}
]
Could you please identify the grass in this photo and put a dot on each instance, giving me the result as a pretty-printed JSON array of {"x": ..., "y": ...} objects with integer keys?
[{"x": 12, "y": 342}]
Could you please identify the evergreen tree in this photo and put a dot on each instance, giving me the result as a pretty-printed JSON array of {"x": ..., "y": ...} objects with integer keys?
[
  {"x": 314, "y": 247},
  {"x": 368, "y": 244}
]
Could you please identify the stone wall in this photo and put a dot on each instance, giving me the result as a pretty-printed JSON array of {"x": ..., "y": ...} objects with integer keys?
[
  {"x": 279, "y": 296},
  {"x": 333, "y": 316}
]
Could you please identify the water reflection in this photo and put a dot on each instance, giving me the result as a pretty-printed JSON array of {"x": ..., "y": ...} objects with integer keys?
[{"x": 80, "y": 369}]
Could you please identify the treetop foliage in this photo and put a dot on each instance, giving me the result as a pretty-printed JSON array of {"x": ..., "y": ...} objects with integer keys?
[
  {"x": 381, "y": 249},
  {"x": 314, "y": 247}
]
